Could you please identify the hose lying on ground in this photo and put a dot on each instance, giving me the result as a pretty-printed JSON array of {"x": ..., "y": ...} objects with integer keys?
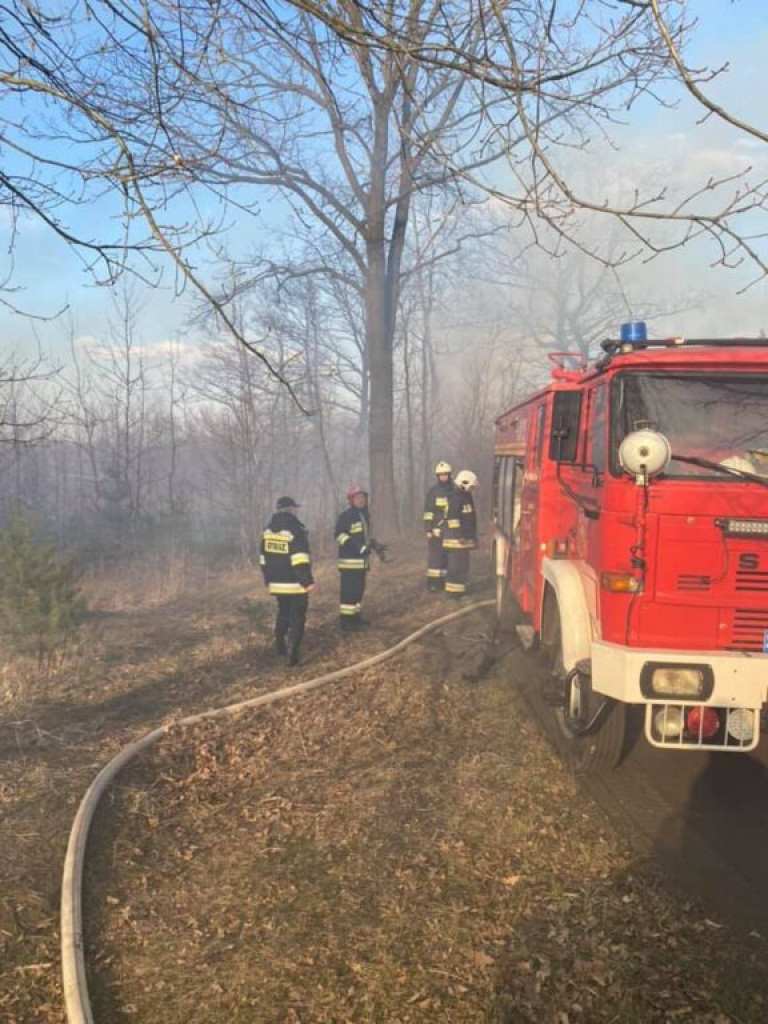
[{"x": 75, "y": 986}]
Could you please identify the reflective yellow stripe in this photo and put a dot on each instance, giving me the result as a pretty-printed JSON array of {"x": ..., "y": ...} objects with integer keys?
[
  {"x": 436, "y": 572},
  {"x": 351, "y": 563},
  {"x": 262, "y": 560},
  {"x": 286, "y": 588},
  {"x": 454, "y": 524},
  {"x": 342, "y": 538},
  {"x": 428, "y": 516},
  {"x": 301, "y": 558},
  {"x": 356, "y": 528},
  {"x": 455, "y": 588},
  {"x": 441, "y": 502},
  {"x": 348, "y": 609}
]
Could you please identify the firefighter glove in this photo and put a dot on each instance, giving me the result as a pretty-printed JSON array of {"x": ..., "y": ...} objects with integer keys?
[{"x": 381, "y": 550}]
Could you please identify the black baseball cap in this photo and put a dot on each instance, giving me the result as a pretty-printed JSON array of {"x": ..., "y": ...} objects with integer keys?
[{"x": 286, "y": 502}]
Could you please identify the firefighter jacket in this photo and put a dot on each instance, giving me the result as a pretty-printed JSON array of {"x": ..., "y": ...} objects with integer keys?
[
  {"x": 285, "y": 560},
  {"x": 353, "y": 536},
  {"x": 436, "y": 505},
  {"x": 460, "y": 526}
]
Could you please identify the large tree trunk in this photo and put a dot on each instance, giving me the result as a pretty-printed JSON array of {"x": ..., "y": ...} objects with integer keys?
[
  {"x": 409, "y": 505},
  {"x": 381, "y": 419},
  {"x": 379, "y": 330}
]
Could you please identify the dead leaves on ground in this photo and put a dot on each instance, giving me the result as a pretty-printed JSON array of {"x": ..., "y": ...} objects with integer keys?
[{"x": 391, "y": 850}]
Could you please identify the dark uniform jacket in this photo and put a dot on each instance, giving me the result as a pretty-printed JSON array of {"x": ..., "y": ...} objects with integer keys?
[
  {"x": 436, "y": 505},
  {"x": 353, "y": 536},
  {"x": 460, "y": 526},
  {"x": 285, "y": 559}
]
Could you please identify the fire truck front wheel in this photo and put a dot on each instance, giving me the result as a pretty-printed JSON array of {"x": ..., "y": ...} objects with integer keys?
[
  {"x": 599, "y": 748},
  {"x": 591, "y": 734}
]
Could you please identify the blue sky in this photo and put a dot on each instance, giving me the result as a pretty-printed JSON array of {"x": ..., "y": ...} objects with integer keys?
[{"x": 666, "y": 143}]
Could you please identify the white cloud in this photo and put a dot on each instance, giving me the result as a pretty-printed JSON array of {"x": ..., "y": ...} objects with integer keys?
[{"x": 157, "y": 351}]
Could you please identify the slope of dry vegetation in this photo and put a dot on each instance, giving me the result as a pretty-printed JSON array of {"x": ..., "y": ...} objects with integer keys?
[
  {"x": 159, "y": 643},
  {"x": 400, "y": 847}
]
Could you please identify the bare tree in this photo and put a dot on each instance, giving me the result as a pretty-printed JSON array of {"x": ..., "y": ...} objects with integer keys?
[
  {"x": 573, "y": 303},
  {"x": 568, "y": 73},
  {"x": 348, "y": 135},
  {"x": 87, "y": 92},
  {"x": 177, "y": 115},
  {"x": 29, "y": 416}
]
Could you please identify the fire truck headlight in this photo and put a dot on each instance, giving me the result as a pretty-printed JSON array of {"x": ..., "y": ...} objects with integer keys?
[
  {"x": 676, "y": 682},
  {"x": 741, "y": 724}
]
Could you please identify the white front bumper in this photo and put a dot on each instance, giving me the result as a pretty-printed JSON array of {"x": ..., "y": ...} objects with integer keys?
[{"x": 741, "y": 679}]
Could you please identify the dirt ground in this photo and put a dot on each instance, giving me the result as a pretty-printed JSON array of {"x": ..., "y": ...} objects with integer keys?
[{"x": 402, "y": 846}]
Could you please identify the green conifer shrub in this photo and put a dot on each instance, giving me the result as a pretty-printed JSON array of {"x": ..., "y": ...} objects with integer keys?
[{"x": 39, "y": 600}]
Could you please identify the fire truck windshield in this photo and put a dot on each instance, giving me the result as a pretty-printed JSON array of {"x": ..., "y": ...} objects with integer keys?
[{"x": 720, "y": 419}]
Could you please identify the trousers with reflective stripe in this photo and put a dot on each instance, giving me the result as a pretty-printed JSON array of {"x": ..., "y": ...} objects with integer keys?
[
  {"x": 457, "y": 570},
  {"x": 352, "y": 588},
  {"x": 436, "y": 560}
]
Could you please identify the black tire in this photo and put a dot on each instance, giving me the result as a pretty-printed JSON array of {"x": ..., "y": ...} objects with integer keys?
[{"x": 599, "y": 751}]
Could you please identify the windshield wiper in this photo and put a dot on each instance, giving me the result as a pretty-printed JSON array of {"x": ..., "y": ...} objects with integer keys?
[{"x": 718, "y": 467}]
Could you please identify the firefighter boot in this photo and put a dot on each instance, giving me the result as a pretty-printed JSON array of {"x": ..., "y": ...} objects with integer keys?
[{"x": 294, "y": 655}]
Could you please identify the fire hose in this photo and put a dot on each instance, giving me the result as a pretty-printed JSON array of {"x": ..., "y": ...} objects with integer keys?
[{"x": 74, "y": 981}]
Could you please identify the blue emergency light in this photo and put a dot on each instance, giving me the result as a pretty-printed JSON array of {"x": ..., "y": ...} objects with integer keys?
[{"x": 634, "y": 331}]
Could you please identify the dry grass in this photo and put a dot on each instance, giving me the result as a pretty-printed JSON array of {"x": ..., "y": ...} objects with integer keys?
[
  {"x": 403, "y": 847},
  {"x": 128, "y": 671},
  {"x": 145, "y": 582}
]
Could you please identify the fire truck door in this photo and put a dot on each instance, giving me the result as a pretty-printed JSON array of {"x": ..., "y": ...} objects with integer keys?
[
  {"x": 528, "y": 550},
  {"x": 596, "y": 464}
]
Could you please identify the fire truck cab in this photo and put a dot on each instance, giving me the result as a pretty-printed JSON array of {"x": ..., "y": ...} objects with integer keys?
[{"x": 631, "y": 541}]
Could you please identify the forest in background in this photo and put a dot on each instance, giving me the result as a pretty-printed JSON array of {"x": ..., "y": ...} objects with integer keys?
[
  {"x": 124, "y": 450},
  {"x": 380, "y": 222}
]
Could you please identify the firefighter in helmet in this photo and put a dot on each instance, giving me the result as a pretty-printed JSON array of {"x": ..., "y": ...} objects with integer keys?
[
  {"x": 459, "y": 533},
  {"x": 355, "y": 543},
  {"x": 435, "y": 507},
  {"x": 286, "y": 565}
]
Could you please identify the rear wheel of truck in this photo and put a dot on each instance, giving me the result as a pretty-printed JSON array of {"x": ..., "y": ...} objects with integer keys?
[{"x": 601, "y": 748}]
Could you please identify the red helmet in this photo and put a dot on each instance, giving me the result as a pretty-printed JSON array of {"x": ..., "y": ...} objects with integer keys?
[{"x": 356, "y": 489}]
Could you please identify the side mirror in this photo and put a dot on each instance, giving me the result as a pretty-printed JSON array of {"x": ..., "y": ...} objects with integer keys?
[{"x": 566, "y": 417}]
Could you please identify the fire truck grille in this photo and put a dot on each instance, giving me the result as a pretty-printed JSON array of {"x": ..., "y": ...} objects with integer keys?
[
  {"x": 749, "y": 627},
  {"x": 755, "y": 581},
  {"x": 691, "y": 581}
]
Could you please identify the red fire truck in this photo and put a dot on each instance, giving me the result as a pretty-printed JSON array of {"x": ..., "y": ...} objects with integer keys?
[{"x": 631, "y": 542}]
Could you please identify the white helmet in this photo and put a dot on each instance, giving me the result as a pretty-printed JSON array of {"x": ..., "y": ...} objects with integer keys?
[
  {"x": 466, "y": 480},
  {"x": 443, "y": 467}
]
